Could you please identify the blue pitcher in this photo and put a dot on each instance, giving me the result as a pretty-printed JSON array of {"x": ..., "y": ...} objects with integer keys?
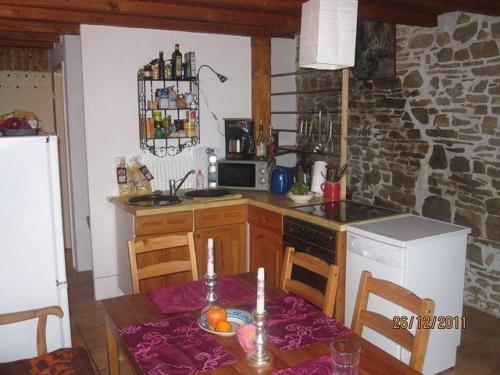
[{"x": 281, "y": 180}]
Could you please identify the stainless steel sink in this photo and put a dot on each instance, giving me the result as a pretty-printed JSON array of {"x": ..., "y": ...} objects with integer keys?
[
  {"x": 206, "y": 193},
  {"x": 153, "y": 200}
]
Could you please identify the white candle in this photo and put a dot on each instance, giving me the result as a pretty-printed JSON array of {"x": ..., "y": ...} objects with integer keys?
[
  {"x": 260, "y": 290},
  {"x": 210, "y": 264}
]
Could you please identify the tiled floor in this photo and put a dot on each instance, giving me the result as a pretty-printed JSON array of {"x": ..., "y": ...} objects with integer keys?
[
  {"x": 87, "y": 320},
  {"x": 479, "y": 353}
]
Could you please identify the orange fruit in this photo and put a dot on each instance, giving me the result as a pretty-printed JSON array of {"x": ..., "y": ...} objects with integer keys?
[
  {"x": 214, "y": 315},
  {"x": 223, "y": 326}
]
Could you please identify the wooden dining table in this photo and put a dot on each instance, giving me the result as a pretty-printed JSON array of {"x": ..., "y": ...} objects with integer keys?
[{"x": 138, "y": 309}]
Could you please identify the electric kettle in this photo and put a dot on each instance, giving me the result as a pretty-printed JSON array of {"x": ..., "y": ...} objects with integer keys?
[{"x": 281, "y": 180}]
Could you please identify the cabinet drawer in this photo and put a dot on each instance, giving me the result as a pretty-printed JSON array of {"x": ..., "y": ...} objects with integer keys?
[
  {"x": 270, "y": 220},
  {"x": 164, "y": 223},
  {"x": 218, "y": 216}
]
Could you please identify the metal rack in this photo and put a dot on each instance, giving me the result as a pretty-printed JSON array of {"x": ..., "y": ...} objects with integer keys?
[
  {"x": 344, "y": 119},
  {"x": 166, "y": 145}
]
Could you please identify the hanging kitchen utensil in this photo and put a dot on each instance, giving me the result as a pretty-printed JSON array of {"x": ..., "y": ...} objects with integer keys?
[
  {"x": 318, "y": 147},
  {"x": 298, "y": 142},
  {"x": 308, "y": 143},
  {"x": 329, "y": 143}
]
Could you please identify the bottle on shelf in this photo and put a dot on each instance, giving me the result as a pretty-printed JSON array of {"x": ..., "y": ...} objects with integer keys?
[
  {"x": 176, "y": 63},
  {"x": 260, "y": 145},
  {"x": 161, "y": 66},
  {"x": 168, "y": 70},
  {"x": 271, "y": 143},
  {"x": 155, "y": 66}
]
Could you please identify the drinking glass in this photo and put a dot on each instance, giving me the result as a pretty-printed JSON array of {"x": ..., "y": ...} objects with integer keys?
[{"x": 345, "y": 357}]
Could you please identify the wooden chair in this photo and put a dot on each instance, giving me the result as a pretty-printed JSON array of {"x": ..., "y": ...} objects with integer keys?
[
  {"x": 329, "y": 271},
  {"x": 164, "y": 268},
  {"x": 416, "y": 344},
  {"x": 64, "y": 360}
]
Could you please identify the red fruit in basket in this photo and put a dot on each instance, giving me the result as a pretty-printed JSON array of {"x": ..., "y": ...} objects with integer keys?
[{"x": 16, "y": 123}]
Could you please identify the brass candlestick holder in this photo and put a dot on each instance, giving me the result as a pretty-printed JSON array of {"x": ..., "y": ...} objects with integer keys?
[
  {"x": 211, "y": 282},
  {"x": 260, "y": 357}
]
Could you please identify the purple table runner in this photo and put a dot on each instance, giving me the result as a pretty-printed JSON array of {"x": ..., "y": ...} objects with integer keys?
[
  {"x": 177, "y": 346},
  {"x": 293, "y": 323},
  {"x": 191, "y": 296},
  {"x": 318, "y": 366}
]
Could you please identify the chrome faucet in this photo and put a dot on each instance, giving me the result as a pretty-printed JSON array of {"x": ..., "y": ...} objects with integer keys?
[{"x": 172, "y": 183}]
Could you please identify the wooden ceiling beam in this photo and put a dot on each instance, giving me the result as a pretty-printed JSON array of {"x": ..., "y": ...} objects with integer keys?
[
  {"x": 35, "y": 26},
  {"x": 25, "y": 44},
  {"x": 373, "y": 13},
  {"x": 26, "y": 36},
  {"x": 96, "y": 18},
  {"x": 487, "y": 7},
  {"x": 178, "y": 10},
  {"x": 289, "y": 7}
]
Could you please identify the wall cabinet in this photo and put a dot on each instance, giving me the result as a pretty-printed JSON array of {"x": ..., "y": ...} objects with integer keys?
[{"x": 266, "y": 245}]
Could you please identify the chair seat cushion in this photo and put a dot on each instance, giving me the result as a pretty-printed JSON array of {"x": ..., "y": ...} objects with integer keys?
[{"x": 63, "y": 361}]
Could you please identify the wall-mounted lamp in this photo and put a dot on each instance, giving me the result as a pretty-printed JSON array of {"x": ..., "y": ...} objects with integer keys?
[
  {"x": 221, "y": 77},
  {"x": 328, "y": 34}
]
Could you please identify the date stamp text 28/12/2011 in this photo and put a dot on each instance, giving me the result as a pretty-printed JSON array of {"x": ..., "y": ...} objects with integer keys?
[{"x": 429, "y": 322}]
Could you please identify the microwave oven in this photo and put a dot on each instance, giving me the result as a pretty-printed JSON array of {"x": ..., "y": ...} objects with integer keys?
[{"x": 243, "y": 174}]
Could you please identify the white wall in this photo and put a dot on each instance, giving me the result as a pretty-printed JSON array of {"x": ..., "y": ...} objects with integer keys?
[
  {"x": 111, "y": 57},
  {"x": 283, "y": 53},
  {"x": 69, "y": 52}
]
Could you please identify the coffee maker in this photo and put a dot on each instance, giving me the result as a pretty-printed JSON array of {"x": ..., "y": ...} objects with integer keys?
[{"x": 240, "y": 143}]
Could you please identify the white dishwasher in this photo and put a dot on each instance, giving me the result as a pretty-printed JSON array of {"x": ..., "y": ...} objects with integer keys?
[{"x": 423, "y": 255}]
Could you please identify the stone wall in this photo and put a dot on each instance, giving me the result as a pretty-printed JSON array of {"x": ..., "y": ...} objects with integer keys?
[{"x": 428, "y": 141}]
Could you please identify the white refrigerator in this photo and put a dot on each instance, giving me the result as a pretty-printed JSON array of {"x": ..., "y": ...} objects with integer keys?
[
  {"x": 423, "y": 255},
  {"x": 32, "y": 268}
]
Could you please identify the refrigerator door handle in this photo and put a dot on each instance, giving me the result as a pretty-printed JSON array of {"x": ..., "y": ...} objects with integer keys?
[{"x": 58, "y": 283}]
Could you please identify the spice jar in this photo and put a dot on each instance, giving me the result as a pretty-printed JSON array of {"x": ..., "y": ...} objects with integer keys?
[
  {"x": 148, "y": 72},
  {"x": 181, "y": 101}
]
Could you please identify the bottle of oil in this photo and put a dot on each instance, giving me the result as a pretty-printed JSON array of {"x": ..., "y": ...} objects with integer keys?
[{"x": 176, "y": 63}]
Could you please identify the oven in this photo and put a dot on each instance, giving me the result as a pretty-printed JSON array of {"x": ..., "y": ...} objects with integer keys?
[
  {"x": 313, "y": 239},
  {"x": 243, "y": 174}
]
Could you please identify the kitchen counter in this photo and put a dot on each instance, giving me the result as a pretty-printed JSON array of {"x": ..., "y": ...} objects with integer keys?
[{"x": 275, "y": 202}]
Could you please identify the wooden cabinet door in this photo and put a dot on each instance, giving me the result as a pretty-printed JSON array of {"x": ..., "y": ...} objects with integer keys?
[
  {"x": 229, "y": 243},
  {"x": 266, "y": 250}
]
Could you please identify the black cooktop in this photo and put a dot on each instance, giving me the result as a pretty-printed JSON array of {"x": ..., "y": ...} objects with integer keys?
[{"x": 345, "y": 211}]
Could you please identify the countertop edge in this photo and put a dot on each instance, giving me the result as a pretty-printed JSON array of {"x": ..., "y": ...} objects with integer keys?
[{"x": 188, "y": 205}]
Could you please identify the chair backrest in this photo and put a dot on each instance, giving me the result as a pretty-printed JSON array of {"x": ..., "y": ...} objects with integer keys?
[
  {"x": 163, "y": 268},
  {"x": 329, "y": 271},
  {"x": 41, "y": 314},
  {"x": 416, "y": 344}
]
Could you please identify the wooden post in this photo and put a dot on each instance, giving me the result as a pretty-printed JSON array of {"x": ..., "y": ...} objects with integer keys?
[
  {"x": 344, "y": 123},
  {"x": 261, "y": 83}
]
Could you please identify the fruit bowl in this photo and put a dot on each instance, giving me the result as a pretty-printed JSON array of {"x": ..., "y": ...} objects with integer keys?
[
  {"x": 301, "y": 198},
  {"x": 235, "y": 317}
]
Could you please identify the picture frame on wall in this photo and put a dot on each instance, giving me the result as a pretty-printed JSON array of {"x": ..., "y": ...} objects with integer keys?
[{"x": 375, "y": 50}]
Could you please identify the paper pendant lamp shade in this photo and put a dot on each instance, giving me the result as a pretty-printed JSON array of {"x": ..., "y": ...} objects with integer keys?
[{"x": 328, "y": 34}]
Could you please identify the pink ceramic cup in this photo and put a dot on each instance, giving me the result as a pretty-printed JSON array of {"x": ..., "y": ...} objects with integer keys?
[{"x": 246, "y": 337}]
